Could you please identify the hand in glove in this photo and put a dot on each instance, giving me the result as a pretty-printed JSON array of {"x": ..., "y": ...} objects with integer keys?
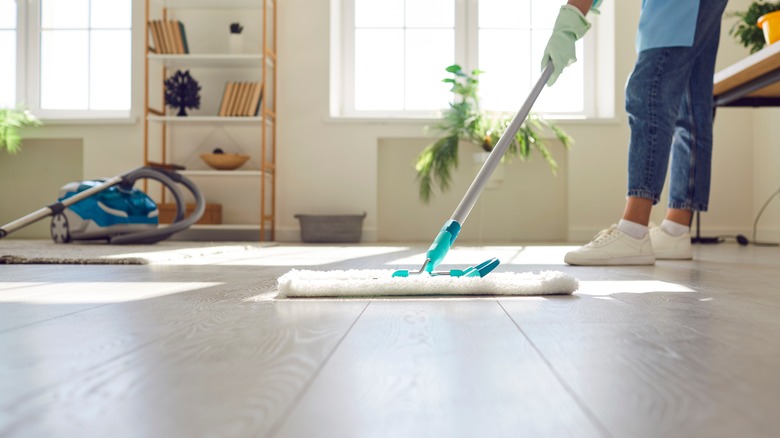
[{"x": 570, "y": 26}]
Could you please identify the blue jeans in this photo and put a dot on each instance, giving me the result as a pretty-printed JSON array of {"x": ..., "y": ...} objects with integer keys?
[{"x": 670, "y": 110}]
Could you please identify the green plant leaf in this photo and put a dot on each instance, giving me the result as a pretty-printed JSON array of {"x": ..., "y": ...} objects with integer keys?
[
  {"x": 465, "y": 121},
  {"x": 746, "y": 30},
  {"x": 11, "y": 120},
  {"x": 435, "y": 164}
]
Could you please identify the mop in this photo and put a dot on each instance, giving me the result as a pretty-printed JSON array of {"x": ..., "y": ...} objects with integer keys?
[{"x": 428, "y": 281}]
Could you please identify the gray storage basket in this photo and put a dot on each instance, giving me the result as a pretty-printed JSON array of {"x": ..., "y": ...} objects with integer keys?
[{"x": 331, "y": 228}]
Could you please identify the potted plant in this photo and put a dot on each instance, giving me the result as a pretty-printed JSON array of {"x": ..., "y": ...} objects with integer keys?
[
  {"x": 464, "y": 120},
  {"x": 236, "y": 39},
  {"x": 746, "y": 30},
  {"x": 11, "y": 120}
]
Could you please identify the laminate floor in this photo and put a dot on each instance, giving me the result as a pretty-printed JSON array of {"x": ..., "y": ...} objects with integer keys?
[{"x": 682, "y": 348}]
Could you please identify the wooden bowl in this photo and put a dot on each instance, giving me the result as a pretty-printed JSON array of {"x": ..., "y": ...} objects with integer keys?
[{"x": 224, "y": 161}]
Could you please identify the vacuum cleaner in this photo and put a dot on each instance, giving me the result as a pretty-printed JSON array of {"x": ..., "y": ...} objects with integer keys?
[
  {"x": 449, "y": 232},
  {"x": 112, "y": 210}
]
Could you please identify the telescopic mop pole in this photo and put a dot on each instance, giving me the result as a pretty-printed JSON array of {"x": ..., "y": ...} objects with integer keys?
[{"x": 446, "y": 238}]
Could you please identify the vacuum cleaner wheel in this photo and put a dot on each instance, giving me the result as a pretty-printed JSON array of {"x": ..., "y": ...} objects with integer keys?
[{"x": 60, "y": 231}]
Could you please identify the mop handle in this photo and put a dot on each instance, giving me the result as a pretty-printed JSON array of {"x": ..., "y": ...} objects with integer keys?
[{"x": 471, "y": 196}]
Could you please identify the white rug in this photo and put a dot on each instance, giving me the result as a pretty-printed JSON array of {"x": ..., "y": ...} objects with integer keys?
[
  {"x": 380, "y": 283},
  {"x": 23, "y": 251}
]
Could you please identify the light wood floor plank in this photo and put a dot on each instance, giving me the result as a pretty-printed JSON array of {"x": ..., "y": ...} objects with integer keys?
[
  {"x": 682, "y": 348},
  {"x": 186, "y": 352},
  {"x": 425, "y": 368},
  {"x": 652, "y": 376}
]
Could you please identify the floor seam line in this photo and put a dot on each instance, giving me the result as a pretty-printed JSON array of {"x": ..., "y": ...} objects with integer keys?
[
  {"x": 588, "y": 413},
  {"x": 283, "y": 418}
]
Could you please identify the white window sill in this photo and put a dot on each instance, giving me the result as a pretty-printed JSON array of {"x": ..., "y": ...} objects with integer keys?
[
  {"x": 57, "y": 121},
  {"x": 430, "y": 121}
]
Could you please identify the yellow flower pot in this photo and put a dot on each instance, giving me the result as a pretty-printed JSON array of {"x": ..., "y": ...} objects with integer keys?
[{"x": 770, "y": 23}]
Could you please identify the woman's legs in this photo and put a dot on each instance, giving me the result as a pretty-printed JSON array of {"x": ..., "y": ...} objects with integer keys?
[
  {"x": 638, "y": 210},
  {"x": 679, "y": 215},
  {"x": 690, "y": 170},
  {"x": 669, "y": 107},
  {"x": 669, "y": 103}
]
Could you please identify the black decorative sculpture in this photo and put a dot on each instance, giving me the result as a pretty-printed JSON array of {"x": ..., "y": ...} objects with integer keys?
[{"x": 182, "y": 92}]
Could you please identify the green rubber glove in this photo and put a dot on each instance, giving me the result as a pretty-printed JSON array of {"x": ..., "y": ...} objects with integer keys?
[{"x": 570, "y": 26}]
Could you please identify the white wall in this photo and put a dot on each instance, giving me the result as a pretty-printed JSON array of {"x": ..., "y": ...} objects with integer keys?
[
  {"x": 329, "y": 166},
  {"x": 31, "y": 180},
  {"x": 766, "y": 132}
]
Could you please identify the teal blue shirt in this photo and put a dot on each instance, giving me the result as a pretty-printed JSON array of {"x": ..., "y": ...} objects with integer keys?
[{"x": 667, "y": 23}]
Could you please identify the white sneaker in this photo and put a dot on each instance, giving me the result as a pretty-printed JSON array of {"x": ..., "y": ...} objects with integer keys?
[
  {"x": 613, "y": 247},
  {"x": 668, "y": 247}
]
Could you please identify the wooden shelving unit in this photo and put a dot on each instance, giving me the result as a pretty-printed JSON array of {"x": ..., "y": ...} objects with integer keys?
[{"x": 247, "y": 195}]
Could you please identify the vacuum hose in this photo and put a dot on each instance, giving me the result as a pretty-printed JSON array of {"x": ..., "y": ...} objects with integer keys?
[{"x": 169, "y": 179}]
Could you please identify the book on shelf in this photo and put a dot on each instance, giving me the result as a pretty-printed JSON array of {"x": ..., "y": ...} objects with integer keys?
[
  {"x": 257, "y": 97},
  {"x": 156, "y": 37},
  {"x": 223, "y": 107},
  {"x": 241, "y": 99},
  {"x": 243, "y": 106},
  {"x": 237, "y": 93},
  {"x": 169, "y": 37},
  {"x": 183, "y": 36}
]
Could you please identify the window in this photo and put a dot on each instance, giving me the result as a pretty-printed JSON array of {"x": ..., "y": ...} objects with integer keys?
[
  {"x": 77, "y": 61},
  {"x": 8, "y": 51},
  {"x": 398, "y": 49},
  {"x": 394, "y": 52}
]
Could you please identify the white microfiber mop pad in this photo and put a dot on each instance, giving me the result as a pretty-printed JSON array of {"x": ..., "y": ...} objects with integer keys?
[{"x": 368, "y": 283}]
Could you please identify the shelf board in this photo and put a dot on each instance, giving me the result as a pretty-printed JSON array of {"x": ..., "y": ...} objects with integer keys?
[
  {"x": 227, "y": 227},
  {"x": 215, "y": 60},
  {"x": 205, "y": 119},
  {"x": 211, "y": 4},
  {"x": 252, "y": 173}
]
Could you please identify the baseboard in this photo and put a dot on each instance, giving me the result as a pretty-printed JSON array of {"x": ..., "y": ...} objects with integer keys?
[
  {"x": 765, "y": 235},
  {"x": 368, "y": 235},
  {"x": 219, "y": 235}
]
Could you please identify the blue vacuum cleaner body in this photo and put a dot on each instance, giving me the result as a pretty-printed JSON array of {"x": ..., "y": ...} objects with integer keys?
[{"x": 110, "y": 212}]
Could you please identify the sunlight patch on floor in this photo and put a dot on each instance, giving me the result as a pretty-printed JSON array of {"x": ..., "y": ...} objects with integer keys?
[
  {"x": 190, "y": 255},
  {"x": 102, "y": 292},
  {"x": 300, "y": 256},
  {"x": 629, "y": 287}
]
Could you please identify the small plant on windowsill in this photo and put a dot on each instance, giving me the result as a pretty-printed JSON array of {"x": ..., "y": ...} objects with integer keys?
[
  {"x": 11, "y": 121},
  {"x": 746, "y": 30},
  {"x": 464, "y": 120}
]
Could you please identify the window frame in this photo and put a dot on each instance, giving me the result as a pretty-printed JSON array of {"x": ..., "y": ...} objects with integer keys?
[
  {"x": 20, "y": 54},
  {"x": 598, "y": 64},
  {"x": 29, "y": 70}
]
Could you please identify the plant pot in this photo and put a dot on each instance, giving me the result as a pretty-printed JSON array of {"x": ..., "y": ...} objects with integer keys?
[
  {"x": 236, "y": 43},
  {"x": 497, "y": 178},
  {"x": 770, "y": 23}
]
